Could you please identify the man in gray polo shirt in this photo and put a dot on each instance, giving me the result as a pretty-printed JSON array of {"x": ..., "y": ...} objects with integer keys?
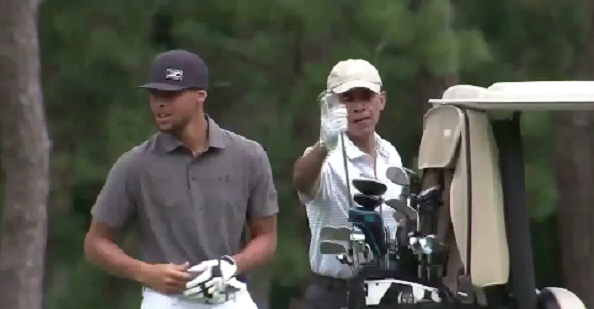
[
  {"x": 190, "y": 190},
  {"x": 352, "y": 104}
]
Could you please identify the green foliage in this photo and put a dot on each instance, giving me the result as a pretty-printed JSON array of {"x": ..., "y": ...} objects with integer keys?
[
  {"x": 83, "y": 288},
  {"x": 540, "y": 172},
  {"x": 546, "y": 252}
]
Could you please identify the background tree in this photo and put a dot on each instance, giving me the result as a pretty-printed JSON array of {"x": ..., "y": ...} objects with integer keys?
[
  {"x": 575, "y": 172},
  {"x": 24, "y": 155}
]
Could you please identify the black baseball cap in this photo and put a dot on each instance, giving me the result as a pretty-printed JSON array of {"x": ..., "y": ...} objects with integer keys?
[{"x": 177, "y": 70}]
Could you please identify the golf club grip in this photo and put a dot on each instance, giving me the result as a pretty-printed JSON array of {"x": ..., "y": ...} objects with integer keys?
[{"x": 346, "y": 170}]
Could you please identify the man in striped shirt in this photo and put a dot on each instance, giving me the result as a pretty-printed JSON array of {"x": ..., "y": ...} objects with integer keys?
[{"x": 354, "y": 102}]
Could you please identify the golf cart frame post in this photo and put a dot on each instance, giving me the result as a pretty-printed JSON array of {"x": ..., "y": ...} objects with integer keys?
[{"x": 504, "y": 103}]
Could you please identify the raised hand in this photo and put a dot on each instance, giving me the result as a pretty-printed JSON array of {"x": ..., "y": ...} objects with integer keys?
[{"x": 334, "y": 120}]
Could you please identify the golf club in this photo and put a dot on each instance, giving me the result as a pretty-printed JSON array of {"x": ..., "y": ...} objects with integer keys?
[
  {"x": 345, "y": 259},
  {"x": 370, "y": 187},
  {"x": 342, "y": 233},
  {"x": 402, "y": 207},
  {"x": 329, "y": 247},
  {"x": 398, "y": 176}
]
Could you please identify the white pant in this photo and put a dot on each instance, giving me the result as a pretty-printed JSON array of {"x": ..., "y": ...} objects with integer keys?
[{"x": 152, "y": 299}]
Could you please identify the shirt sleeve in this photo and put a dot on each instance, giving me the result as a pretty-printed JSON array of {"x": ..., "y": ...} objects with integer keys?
[
  {"x": 319, "y": 191},
  {"x": 263, "y": 198},
  {"x": 116, "y": 201}
]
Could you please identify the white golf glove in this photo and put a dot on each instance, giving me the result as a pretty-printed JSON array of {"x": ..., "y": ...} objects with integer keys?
[
  {"x": 333, "y": 120},
  {"x": 231, "y": 287},
  {"x": 212, "y": 278}
]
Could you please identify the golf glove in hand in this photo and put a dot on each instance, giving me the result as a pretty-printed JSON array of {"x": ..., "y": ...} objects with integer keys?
[
  {"x": 211, "y": 278},
  {"x": 231, "y": 287},
  {"x": 333, "y": 120}
]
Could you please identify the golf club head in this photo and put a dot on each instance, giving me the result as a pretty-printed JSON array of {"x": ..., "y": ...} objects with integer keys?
[
  {"x": 369, "y": 253},
  {"x": 414, "y": 244},
  {"x": 398, "y": 216},
  {"x": 369, "y": 186},
  {"x": 430, "y": 244},
  {"x": 398, "y": 175},
  {"x": 365, "y": 257},
  {"x": 410, "y": 172},
  {"x": 362, "y": 255},
  {"x": 329, "y": 247},
  {"x": 368, "y": 249},
  {"x": 368, "y": 202},
  {"x": 341, "y": 233},
  {"x": 357, "y": 236},
  {"x": 400, "y": 206},
  {"x": 428, "y": 195},
  {"x": 345, "y": 259}
]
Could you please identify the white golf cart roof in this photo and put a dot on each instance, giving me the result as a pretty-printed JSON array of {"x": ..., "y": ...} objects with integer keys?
[{"x": 522, "y": 96}]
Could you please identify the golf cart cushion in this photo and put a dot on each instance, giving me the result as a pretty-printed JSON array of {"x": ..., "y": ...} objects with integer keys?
[
  {"x": 371, "y": 224},
  {"x": 490, "y": 253},
  {"x": 490, "y": 256},
  {"x": 441, "y": 136}
]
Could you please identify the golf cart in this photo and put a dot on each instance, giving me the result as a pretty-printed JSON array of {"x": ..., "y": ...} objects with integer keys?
[{"x": 464, "y": 238}]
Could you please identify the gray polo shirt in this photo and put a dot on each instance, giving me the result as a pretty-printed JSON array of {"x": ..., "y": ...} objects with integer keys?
[{"x": 188, "y": 208}]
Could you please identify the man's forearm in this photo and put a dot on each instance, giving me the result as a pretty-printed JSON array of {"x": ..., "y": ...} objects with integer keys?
[
  {"x": 258, "y": 252},
  {"x": 307, "y": 168},
  {"x": 113, "y": 259}
]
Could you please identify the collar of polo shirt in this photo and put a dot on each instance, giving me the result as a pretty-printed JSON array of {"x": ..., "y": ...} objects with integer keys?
[
  {"x": 216, "y": 139},
  {"x": 353, "y": 152}
]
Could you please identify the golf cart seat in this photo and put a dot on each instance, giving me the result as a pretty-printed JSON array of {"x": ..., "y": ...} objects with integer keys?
[
  {"x": 371, "y": 224},
  {"x": 448, "y": 151}
]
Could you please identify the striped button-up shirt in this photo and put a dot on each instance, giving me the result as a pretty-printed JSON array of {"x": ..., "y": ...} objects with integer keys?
[{"x": 329, "y": 204}]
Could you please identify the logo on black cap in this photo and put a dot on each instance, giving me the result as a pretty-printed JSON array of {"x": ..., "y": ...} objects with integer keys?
[{"x": 176, "y": 75}]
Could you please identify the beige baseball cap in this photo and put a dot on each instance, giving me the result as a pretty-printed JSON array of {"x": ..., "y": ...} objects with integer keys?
[{"x": 354, "y": 73}]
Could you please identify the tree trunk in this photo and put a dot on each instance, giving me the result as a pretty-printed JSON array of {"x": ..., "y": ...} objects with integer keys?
[
  {"x": 575, "y": 214},
  {"x": 575, "y": 174},
  {"x": 24, "y": 156}
]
